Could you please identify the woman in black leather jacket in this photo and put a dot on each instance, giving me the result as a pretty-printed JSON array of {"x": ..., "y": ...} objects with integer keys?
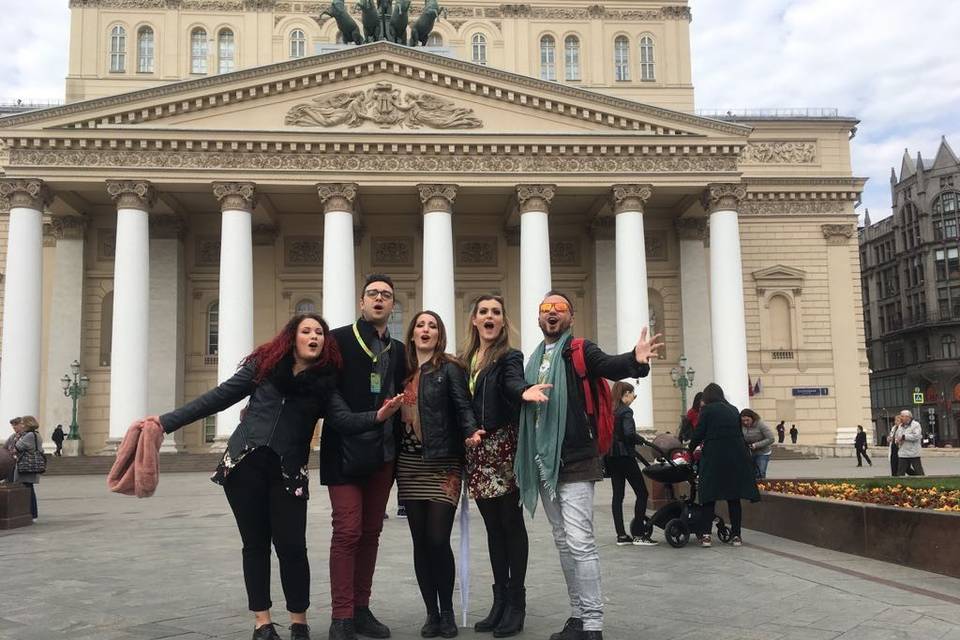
[
  {"x": 291, "y": 383},
  {"x": 498, "y": 388},
  {"x": 622, "y": 464},
  {"x": 436, "y": 423}
]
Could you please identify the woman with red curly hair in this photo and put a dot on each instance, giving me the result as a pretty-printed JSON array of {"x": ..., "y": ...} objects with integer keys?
[{"x": 291, "y": 383}]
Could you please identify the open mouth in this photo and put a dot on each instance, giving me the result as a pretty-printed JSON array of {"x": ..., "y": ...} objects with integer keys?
[
  {"x": 553, "y": 321},
  {"x": 313, "y": 345},
  {"x": 489, "y": 324},
  {"x": 378, "y": 307}
]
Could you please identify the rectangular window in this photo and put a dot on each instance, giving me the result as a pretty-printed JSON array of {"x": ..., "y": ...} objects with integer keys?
[
  {"x": 198, "y": 51},
  {"x": 145, "y": 51},
  {"x": 210, "y": 429},
  {"x": 941, "y": 264},
  {"x": 225, "y": 52}
]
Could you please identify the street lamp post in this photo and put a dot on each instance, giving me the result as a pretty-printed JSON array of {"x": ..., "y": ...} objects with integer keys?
[
  {"x": 74, "y": 388},
  {"x": 682, "y": 377}
]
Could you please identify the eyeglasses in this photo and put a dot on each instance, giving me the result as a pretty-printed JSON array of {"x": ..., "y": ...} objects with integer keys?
[
  {"x": 560, "y": 307},
  {"x": 383, "y": 293}
]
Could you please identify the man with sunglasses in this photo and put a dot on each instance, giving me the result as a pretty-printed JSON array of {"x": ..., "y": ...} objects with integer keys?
[
  {"x": 558, "y": 461},
  {"x": 357, "y": 468}
]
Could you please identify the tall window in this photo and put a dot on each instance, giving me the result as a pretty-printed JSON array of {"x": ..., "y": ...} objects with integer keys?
[
  {"x": 621, "y": 58},
  {"x": 479, "y": 42},
  {"x": 118, "y": 49},
  {"x": 646, "y": 59},
  {"x": 145, "y": 50},
  {"x": 781, "y": 331},
  {"x": 198, "y": 51},
  {"x": 210, "y": 429},
  {"x": 548, "y": 58},
  {"x": 434, "y": 40},
  {"x": 395, "y": 323},
  {"x": 298, "y": 43},
  {"x": 948, "y": 346},
  {"x": 213, "y": 328},
  {"x": 225, "y": 51},
  {"x": 106, "y": 329},
  {"x": 571, "y": 58}
]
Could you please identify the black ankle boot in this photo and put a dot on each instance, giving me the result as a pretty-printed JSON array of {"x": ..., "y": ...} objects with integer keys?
[
  {"x": 591, "y": 635},
  {"x": 572, "y": 629},
  {"x": 513, "y": 615},
  {"x": 299, "y": 631},
  {"x": 342, "y": 629},
  {"x": 448, "y": 625},
  {"x": 496, "y": 610},
  {"x": 366, "y": 624},
  {"x": 431, "y": 627},
  {"x": 266, "y": 632}
]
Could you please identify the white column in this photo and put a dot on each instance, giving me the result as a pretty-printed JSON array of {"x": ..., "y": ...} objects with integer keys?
[
  {"x": 695, "y": 300},
  {"x": 728, "y": 325},
  {"x": 438, "y": 278},
  {"x": 22, "y": 301},
  {"x": 535, "y": 278},
  {"x": 633, "y": 308},
  {"x": 129, "y": 360},
  {"x": 64, "y": 326},
  {"x": 237, "y": 201},
  {"x": 339, "y": 270},
  {"x": 165, "y": 390}
]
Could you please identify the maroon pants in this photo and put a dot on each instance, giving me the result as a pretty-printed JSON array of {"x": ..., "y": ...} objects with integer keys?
[{"x": 357, "y": 521}]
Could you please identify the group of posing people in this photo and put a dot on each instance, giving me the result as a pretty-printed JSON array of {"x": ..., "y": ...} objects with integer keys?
[{"x": 408, "y": 411}]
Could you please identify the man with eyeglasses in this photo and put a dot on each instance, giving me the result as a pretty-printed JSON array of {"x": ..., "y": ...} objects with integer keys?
[
  {"x": 558, "y": 461},
  {"x": 357, "y": 468}
]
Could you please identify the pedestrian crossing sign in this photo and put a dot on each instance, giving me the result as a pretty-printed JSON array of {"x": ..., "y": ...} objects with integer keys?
[{"x": 917, "y": 396}]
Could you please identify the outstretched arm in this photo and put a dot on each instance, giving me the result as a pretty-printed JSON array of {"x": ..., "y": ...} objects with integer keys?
[{"x": 213, "y": 401}]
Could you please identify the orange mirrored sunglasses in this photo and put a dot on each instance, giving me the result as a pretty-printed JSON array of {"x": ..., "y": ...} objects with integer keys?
[{"x": 561, "y": 307}]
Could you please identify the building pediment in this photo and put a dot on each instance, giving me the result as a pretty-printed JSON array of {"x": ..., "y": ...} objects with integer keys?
[
  {"x": 779, "y": 277},
  {"x": 381, "y": 86}
]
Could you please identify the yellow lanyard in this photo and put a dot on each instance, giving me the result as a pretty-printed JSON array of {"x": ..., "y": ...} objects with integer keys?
[
  {"x": 474, "y": 374},
  {"x": 366, "y": 349}
]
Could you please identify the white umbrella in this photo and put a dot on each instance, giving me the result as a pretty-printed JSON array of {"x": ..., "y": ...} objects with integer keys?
[{"x": 464, "y": 553}]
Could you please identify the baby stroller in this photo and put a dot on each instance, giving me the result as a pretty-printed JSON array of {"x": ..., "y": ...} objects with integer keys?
[{"x": 681, "y": 516}]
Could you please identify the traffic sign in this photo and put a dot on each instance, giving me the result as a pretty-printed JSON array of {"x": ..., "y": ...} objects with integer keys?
[{"x": 917, "y": 397}]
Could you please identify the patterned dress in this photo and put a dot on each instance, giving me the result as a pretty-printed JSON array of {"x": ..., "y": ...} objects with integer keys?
[
  {"x": 436, "y": 479},
  {"x": 490, "y": 465}
]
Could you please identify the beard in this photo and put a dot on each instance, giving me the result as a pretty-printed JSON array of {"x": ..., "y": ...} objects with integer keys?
[{"x": 555, "y": 330}]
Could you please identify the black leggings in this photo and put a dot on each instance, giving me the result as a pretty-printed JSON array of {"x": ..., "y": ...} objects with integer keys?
[
  {"x": 430, "y": 526},
  {"x": 736, "y": 516},
  {"x": 265, "y": 512},
  {"x": 506, "y": 538},
  {"x": 625, "y": 469}
]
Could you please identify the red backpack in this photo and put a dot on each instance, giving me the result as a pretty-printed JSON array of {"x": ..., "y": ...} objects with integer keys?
[{"x": 599, "y": 406}]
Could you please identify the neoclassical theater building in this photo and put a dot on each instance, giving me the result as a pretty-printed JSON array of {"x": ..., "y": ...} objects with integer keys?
[{"x": 222, "y": 164}]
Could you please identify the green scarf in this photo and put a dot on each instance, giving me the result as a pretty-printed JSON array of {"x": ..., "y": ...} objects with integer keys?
[{"x": 538, "y": 449}]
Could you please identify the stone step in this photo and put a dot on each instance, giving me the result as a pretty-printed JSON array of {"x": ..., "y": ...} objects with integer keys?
[{"x": 791, "y": 452}]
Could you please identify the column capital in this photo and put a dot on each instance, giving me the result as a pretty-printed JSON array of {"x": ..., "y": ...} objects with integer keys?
[
  {"x": 26, "y": 192},
  {"x": 240, "y": 196},
  {"x": 167, "y": 227},
  {"x": 723, "y": 197},
  {"x": 132, "y": 194},
  {"x": 535, "y": 197},
  {"x": 691, "y": 228},
  {"x": 437, "y": 197},
  {"x": 66, "y": 227},
  {"x": 337, "y": 196},
  {"x": 838, "y": 234},
  {"x": 630, "y": 197}
]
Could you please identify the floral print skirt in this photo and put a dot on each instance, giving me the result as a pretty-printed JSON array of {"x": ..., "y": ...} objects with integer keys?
[{"x": 490, "y": 466}]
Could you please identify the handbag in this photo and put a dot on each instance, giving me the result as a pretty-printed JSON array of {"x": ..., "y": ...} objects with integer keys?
[{"x": 32, "y": 461}]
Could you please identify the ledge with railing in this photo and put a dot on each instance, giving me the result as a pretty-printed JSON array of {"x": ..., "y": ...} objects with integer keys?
[{"x": 793, "y": 113}]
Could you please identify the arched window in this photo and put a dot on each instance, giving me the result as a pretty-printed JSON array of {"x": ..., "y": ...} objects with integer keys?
[
  {"x": 305, "y": 306},
  {"x": 145, "y": 50},
  {"x": 298, "y": 43},
  {"x": 646, "y": 59},
  {"x": 106, "y": 329},
  {"x": 118, "y": 49},
  {"x": 781, "y": 330},
  {"x": 948, "y": 346},
  {"x": 225, "y": 51},
  {"x": 548, "y": 58},
  {"x": 621, "y": 58},
  {"x": 198, "y": 51},
  {"x": 479, "y": 42},
  {"x": 434, "y": 39},
  {"x": 571, "y": 58},
  {"x": 213, "y": 328}
]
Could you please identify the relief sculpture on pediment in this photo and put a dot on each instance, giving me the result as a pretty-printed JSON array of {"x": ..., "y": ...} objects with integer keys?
[{"x": 384, "y": 106}]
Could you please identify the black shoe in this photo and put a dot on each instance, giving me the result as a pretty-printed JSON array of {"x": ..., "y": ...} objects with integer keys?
[
  {"x": 299, "y": 631},
  {"x": 513, "y": 616},
  {"x": 365, "y": 624},
  {"x": 431, "y": 628},
  {"x": 448, "y": 625},
  {"x": 591, "y": 635},
  {"x": 572, "y": 629},
  {"x": 266, "y": 632},
  {"x": 496, "y": 610},
  {"x": 342, "y": 629}
]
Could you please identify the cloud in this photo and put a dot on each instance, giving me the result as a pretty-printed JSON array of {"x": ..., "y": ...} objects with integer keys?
[{"x": 35, "y": 38}]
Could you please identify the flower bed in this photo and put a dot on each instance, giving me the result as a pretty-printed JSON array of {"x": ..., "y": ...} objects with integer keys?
[{"x": 896, "y": 495}]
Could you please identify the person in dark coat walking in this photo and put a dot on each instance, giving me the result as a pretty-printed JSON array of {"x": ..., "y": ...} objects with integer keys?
[
  {"x": 57, "y": 437},
  {"x": 794, "y": 433},
  {"x": 726, "y": 467},
  {"x": 860, "y": 444},
  {"x": 781, "y": 432}
]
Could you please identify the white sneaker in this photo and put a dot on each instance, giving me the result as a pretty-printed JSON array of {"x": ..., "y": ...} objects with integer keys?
[
  {"x": 645, "y": 542},
  {"x": 706, "y": 541}
]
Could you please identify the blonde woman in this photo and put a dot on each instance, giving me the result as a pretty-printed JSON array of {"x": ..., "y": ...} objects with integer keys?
[{"x": 27, "y": 444}]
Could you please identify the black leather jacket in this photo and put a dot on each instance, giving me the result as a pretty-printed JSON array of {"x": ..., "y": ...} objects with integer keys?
[
  {"x": 443, "y": 402},
  {"x": 624, "y": 433},
  {"x": 281, "y": 414},
  {"x": 497, "y": 394}
]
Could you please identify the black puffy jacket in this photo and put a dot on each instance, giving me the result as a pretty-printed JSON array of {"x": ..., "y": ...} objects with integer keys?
[
  {"x": 624, "y": 433},
  {"x": 443, "y": 402},
  {"x": 497, "y": 393}
]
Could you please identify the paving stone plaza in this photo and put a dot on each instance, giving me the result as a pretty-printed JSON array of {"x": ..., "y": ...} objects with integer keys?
[{"x": 102, "y": 566}]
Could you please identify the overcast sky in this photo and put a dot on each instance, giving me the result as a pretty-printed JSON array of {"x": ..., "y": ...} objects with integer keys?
[{"x": 894, "y": 65}]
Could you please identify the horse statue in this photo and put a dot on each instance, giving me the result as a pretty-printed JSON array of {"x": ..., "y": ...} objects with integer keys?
[
  {"x": 397, "y": 27},
  {"x": 372, "y": 25},
  {"x": 349, "y": 28},
  {"x": 421, "y": 29}
]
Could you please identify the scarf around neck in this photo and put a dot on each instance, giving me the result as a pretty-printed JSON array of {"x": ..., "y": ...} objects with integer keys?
[{"x": 542, "y": 427}]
